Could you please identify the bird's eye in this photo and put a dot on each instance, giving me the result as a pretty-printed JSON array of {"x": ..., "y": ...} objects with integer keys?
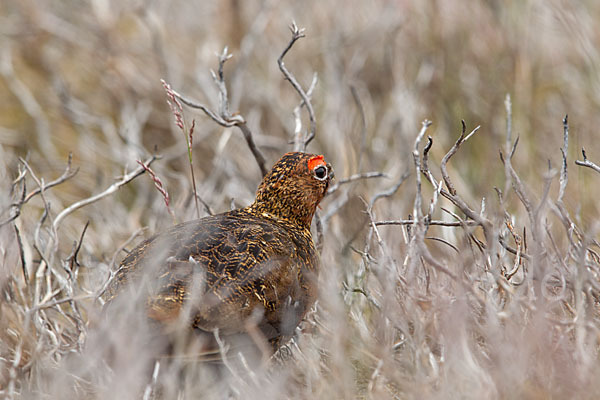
[{"x": 320, "y": 172}]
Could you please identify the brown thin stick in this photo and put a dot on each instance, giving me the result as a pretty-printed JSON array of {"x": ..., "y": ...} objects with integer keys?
[
  {"x": 72, "y": 259},
  {"x": 22, "y": 255},
  {"x": 447, "y": 243}
]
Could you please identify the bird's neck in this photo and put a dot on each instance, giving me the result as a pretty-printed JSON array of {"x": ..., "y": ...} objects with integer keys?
[{"x": 289, "y": 214}]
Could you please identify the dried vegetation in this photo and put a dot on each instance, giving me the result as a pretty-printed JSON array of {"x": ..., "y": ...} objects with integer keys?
[{"x": 460, "y": 260}]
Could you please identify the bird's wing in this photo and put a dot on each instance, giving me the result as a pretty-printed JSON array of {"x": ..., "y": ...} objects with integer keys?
[{"x": 224, "y": 271}]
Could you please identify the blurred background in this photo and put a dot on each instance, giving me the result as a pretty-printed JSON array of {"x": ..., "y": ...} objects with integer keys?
[{"x": 84, "y": 77}]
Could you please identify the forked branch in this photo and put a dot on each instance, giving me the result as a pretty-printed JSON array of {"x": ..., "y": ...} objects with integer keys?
[
  {"x": 453, "y": 150},
  {"x": 224, "y": 117},
  {"x": 298, "y": 33},
  {"x": 110, "y": 190}
]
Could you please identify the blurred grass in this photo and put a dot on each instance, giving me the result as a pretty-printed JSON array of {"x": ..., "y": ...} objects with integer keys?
[{"x": 84, "y": 78}]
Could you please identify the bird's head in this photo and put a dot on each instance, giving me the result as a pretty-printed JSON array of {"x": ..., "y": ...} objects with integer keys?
[{"x": 293, "y": 188}]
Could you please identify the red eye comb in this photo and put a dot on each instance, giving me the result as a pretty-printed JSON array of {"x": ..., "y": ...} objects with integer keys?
[{"x": 315, "y": 161}]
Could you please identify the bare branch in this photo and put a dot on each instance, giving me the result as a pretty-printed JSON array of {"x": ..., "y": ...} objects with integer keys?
[
  {"x": 207, "y": 207},
  {"x": 66, "y": 175},
  {"x": 22, "y": 255},
  {"x": 433, "y": 203},
  {"x": 434, "y": 222},
  {"x": 518, "y": 187},
  {"x": 549, "y": 176},
  {"x": 49, "y": 304},
  {"x": 417, "y": 211},
  {"x": 390, "y": 192},
  {"x": 450, "y": 153},
  {"x": 455, "y": 199},
  {"x": 514, "y": 148},
  {"x": 447, "y": 243},
  {"x": 425, "y": 162},
  {"x": 512, "y": 250},
  {"x": 374, "y": 227},
  {"x": 342, "y": 199},
  {"x": 258, "y": 156},
  {"x": 586, "y": 162},
  {"x": 508, "y": 145},
  {"x": 426, "y": 254},
  {"x": 224, "y": 117},
  {"x": 220, "y": 82},
  {"x": 297, "y": 34},
  {"x": 362, "y": 291},
  {"x": 110, "y": 190},
  {"x": 419, "y": 250},
  {"x": 508, "y": 107},
  {"x": 42, "y": 186},
  {"x": 564, "y": 177},
  {"x": 207, "y": 111},
  {"x": 298, "y": 135},
  {"x": 72, "y": 259},
  {"x": 356, "y": 177}
]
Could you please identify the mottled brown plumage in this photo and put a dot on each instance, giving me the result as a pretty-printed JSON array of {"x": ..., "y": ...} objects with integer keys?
[{"x": 257, "y": 263}]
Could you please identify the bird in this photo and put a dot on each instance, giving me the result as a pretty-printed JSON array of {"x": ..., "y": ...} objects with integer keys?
[{"x": 248, "y": 270}]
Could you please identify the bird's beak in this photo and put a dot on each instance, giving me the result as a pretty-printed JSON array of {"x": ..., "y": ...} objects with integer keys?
[
  {"x": 330, "y": 172},
  {"x": 330, "y": 177}
]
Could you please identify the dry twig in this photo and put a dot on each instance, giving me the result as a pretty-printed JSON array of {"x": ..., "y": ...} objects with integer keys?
[
  {"x": 224, "y": 117},
  {"x": 110, "y": 190},
  {"x": 355, "y": 177},
  {"x": 66, "y": 175},
  {"x": 298, "y": 33},
  {"x": 586, "y": 162}
]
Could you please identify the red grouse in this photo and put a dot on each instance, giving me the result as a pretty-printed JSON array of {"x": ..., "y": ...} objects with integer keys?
[{"x": 256, "y": 263}]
